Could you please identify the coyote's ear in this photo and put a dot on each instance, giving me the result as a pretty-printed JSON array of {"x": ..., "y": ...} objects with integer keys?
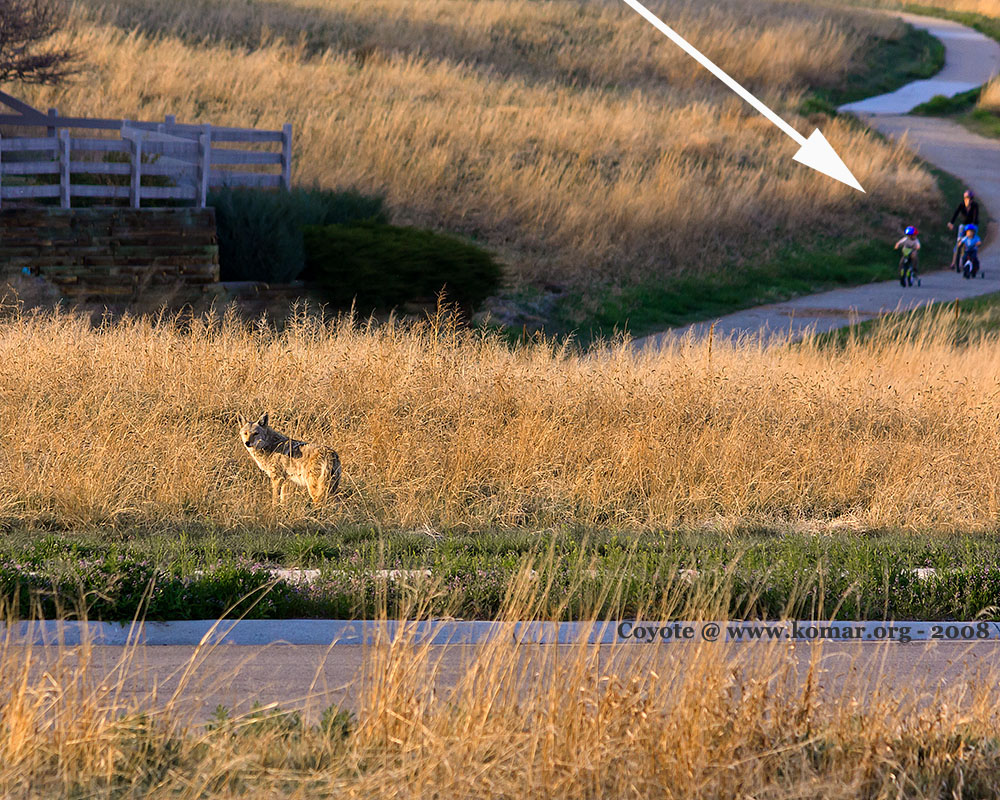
[
  {"x": 263, "y": 420},
  {"x": 241, "y": 419}
]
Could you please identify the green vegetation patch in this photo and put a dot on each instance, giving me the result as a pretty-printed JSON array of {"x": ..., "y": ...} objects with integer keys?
[
  {"x": 379, "y": 266},
  {"x": 766, "y": 573},
  {"x": 983, "y": 122},
  {"x": 963, "y": 108},
  {"x": 940, "y": 106}
]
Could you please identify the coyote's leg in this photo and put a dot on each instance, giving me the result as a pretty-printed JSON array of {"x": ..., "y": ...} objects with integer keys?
[
  {"x": 277, "y": 490},
  {"x": 317, "y": 490},
  {"x": 284, "y": 488}
]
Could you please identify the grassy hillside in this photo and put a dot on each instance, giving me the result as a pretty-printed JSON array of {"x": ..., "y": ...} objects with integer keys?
[{"x": 569, "y": 137}]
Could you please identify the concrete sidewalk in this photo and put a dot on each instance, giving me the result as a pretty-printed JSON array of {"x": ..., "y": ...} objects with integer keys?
[{"x": 970, "y": 58}]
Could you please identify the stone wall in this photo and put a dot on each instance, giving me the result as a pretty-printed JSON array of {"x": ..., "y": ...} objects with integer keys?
[{"x": 114, "y": 255}]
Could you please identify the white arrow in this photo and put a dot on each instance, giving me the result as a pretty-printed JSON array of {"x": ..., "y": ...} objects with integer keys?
[{"x": 814, "y": 152}]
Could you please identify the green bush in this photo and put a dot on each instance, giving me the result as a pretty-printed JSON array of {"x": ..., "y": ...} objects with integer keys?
[
  {"x": 260, "y": 233},
  {"x": 380, "y": 266},
  {"x": 940, "y": 105}
]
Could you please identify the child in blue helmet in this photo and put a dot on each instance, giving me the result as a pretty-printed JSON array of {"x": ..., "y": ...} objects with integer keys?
[
  {"x": 970, "y": 250},
  {"x": 911, "y": 246}
]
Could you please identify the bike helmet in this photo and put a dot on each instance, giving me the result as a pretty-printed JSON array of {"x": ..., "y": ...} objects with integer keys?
[
  {"x": 971, "y": 193},
  {"x": 972, "y": 228},
  {"x": 910, "y": 231}
]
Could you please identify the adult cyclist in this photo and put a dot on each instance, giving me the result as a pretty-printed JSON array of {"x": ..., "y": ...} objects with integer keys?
[{"x": 968, "y": 213}]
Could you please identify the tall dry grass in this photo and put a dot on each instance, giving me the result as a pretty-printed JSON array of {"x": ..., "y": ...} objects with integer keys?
[
  {"x": 572, "y": 138},
  {"x": 667, "y": 721},
  {"x": 137, "y": 423},
  {"x": 989, "y": 98},
  {"x": 768, "y": 43},
  {"x": 990, "y": 8}
]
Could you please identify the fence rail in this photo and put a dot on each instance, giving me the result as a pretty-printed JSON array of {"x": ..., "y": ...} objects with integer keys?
[{"x": 187, "y": 157}]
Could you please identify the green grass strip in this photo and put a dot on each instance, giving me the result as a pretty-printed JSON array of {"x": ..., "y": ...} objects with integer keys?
[{"x": 769, "y": 573}]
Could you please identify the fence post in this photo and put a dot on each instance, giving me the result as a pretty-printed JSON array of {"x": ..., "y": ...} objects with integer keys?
[
  {"x": 286, "y": 156},
  {"x": 51, "y": 131},
  {"x": 64, "y": 200},
  {"x": 205, "y": 140},
  {"x": 136, "y": 187},
  {"x": 170, "y": 119},
  {"x": 1, "y": 171}
]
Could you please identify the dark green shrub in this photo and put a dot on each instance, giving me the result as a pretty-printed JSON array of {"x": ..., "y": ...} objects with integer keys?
[
  {"x": 260, "y": 233},
  {"x": 381, "y": 266}
]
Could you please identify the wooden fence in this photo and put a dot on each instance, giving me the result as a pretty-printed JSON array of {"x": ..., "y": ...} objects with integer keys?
[{"x": 182, "y": 162}]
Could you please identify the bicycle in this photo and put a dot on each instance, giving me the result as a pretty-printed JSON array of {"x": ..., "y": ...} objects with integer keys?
[
  {"x": 969, "y": 269},
  {"x": 956, "y": 260},
  {"x": 907, "y": 271}
]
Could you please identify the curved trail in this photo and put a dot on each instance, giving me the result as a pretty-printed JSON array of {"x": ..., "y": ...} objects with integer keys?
[{"x": 971, "y": 59}]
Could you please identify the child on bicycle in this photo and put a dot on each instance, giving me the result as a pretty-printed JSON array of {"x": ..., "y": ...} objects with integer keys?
[
  {"x": 968, "y": 214},
  {"x": 911, "y": 246},
  {"x": 969, "y": 247}
]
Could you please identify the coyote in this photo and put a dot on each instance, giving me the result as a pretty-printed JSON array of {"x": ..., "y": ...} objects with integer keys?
[{"x": 312, "y": 466}]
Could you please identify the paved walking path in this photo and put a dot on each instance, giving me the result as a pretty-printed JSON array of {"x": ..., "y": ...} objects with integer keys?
[
  {"x": 971, "y": 59},
  {"x": 309, "y": 678}
]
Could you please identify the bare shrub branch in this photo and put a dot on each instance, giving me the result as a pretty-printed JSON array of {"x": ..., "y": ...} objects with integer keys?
[{"x": 25, "y": 25}]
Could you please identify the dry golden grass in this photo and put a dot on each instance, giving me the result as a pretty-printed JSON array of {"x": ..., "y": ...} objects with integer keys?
[
  {"x": 572, "y": 138},
  {"x": 990, "y": 8},
  {"x": 137, "y": 423},
  {"x": 673, "y": 721},
  {"x": 989, "y": 98}
]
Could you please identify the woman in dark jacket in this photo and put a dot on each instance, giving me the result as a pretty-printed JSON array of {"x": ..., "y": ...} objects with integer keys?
[{"x": 968, "y": 210}]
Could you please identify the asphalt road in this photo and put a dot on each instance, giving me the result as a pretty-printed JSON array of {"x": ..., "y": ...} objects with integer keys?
[
  {"x": 309, "y": 678},
  {"x": 971, "y": 59}
]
